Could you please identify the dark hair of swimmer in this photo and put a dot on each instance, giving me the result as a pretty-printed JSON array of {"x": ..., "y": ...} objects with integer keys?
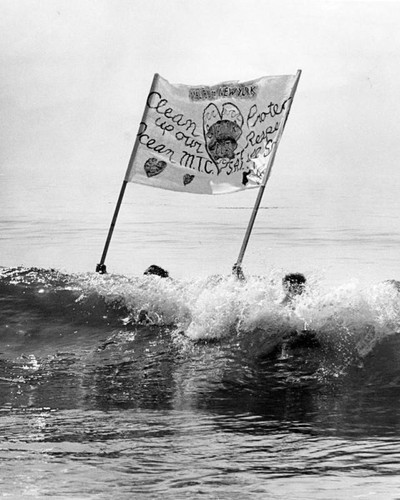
[
  {"x": 157, "y": 271},
  {"x": 294, "y": 283}
]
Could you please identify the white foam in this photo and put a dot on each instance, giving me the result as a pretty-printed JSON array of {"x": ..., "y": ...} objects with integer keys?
[{"x": 220, "y": 307}]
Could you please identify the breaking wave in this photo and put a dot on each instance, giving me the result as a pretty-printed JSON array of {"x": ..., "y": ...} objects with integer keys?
[{"x": 217, "y": 308}]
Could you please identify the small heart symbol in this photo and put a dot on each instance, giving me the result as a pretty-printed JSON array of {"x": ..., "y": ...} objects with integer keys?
[
  {"x": 187, "y": 179},
  {"x": 154, "y": 167}
]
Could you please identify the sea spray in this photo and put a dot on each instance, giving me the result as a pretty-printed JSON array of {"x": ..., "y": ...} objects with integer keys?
[{"x": 349, "y": 318}]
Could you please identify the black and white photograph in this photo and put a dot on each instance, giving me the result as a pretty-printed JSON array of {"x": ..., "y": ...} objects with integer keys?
[{"x": 199, "y": 249}]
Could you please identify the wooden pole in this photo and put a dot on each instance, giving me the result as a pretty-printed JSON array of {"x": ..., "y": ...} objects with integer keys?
[
  {"x": 101, "y": 267},
  {"x": 237, "y": 268}
]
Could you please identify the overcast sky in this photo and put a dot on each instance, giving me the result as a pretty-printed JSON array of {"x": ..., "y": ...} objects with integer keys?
[{"x": 75, "y": 75}]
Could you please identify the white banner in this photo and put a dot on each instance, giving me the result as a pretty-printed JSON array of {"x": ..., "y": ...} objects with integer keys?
[{"x": 209, "y": 139}]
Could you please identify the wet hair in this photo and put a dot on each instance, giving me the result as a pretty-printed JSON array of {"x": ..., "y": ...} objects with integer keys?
[
  {"x": 294, "y": 283},
  {"x": 294, "y": 278},
  {"x": 157, "y": 271}
]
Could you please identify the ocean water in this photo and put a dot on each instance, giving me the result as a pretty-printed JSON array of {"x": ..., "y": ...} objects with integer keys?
[{"x": 204, "y": 399}]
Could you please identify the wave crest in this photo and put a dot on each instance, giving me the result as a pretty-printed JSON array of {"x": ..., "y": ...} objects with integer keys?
[{"x": 219, "y": 307}]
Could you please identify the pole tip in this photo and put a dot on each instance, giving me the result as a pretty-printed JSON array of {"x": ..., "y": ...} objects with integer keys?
[
  {"x": 238, "y": 272},
  {"x": 101, "y": 269}
]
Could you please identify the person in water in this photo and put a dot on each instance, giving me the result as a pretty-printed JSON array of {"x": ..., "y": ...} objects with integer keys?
[
  {"x": 143, "y": 316},
  {"x": 157, "y": 271},
  {"x": 293, "y": 285}
]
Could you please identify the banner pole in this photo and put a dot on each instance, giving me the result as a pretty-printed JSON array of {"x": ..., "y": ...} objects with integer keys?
[
  {"x": 237, "y": 268},
  {"x": 101, "y": 267}
]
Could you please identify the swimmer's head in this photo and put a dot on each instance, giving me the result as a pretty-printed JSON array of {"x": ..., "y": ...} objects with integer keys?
[
  {"x": 157, "y": 271},
  {"x": 294, "y": 283}
]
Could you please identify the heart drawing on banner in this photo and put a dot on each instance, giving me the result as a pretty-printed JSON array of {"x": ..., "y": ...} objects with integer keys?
[
  {"x": 187, "y": 179},
  {"x": 222, "y": 130},
  {"x": 154, "y": 167}
]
